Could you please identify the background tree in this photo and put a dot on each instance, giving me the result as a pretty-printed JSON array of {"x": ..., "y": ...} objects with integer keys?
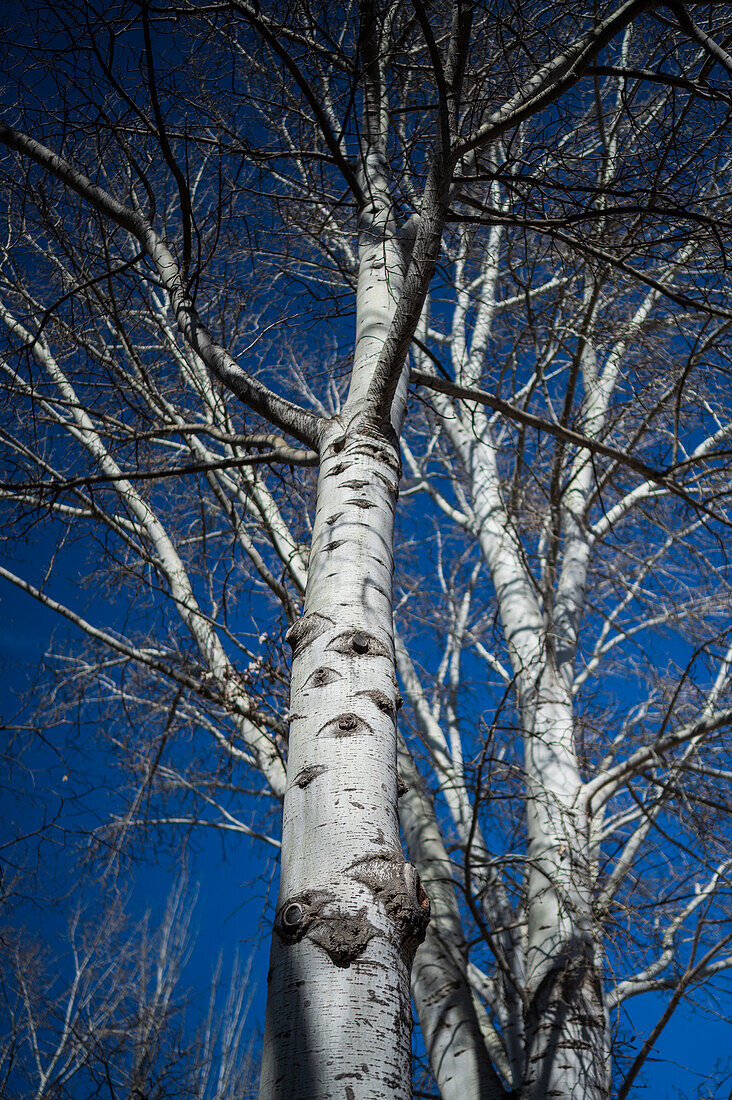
[
  {"x": 536, "y": 204},
  {"x": 116, "y": 1022}
]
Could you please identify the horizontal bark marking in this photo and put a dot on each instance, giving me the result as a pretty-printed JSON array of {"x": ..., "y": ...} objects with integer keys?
[
  {"x": 358, "y": 503},
  {"x": 330, "y": 546},
  {"x": 390, "y": 482},
  {"x": 360, "y": 642},
  {"x": 337, "y": 469},
  {"x": 338, "y": 444},
  {"x": 345, "y": 725},
  {"x": 304, "y": 632},
  {"x": 355, "y": 484},
  {"x": 307, "y": 774},
  {"x": 321, "y": 677},
  {"x": 334, "y": 518},
  {"x": 380, "y": 453},
  {"x": 377, "y": 587},
  {"x": 380, "y": 699}
]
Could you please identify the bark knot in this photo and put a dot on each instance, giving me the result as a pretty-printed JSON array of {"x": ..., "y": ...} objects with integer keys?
[
  {"x": 321, "y": 677},
  {"x": 380, "y": 700},
  {"x": 307, "y": 774},
  {"x": 304, "y": 632},
  {"x": 360, "y": 642},
  {"x": 342, "y": 935},
  {"x": 345, "y": 725},
  {"x": 397, "y": 885}
]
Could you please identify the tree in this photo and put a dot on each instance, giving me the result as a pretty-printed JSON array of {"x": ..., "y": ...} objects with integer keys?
[
  {"x": 116, "y": 1023},
  {"x": 536, "y": 205}
]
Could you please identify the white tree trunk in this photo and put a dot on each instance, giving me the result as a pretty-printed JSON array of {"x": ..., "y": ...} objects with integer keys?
[
  {"x": 351, "y": 911},
  {"x": 457, "y": 1045},
  {"x": 566, "y": 1027},
  {"x": 565, "y": 1023}
]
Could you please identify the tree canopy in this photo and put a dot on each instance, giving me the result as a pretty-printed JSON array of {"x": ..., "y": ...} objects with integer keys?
[{"x": 373, "y": 360}]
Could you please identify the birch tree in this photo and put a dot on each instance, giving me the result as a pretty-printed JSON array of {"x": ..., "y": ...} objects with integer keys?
[{"x": 230, "y": 234}]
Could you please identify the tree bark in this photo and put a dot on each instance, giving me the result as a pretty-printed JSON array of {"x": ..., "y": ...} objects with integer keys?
[
  {"x": 350, "y": 912},
  {"x": 451, "y": 1028},
  {"x": 566, "y": 1027}
]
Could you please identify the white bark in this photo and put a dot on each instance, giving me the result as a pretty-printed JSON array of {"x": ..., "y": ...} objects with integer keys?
[
  {"x": 350, "y": 911},
  {"x": 451, "y": 1022}
]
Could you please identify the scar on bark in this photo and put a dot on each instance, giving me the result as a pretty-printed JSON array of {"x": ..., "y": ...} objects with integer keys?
[
  {"x": 343, "y": 936},
  {"x": 381, "y": 700},
  {"x": 307, "y": 774},
  {"x": 399, "y": 888},
  {"x": 304, "y": 632},
  {"x": 345, "y": 725},
  {"x": 360, "y": 642},
  {"x": 321, "y": 677}
]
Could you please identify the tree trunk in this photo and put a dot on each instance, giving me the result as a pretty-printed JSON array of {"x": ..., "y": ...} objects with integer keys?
[
  {"x": 451, "y": 1028},
  {"x": 351, "y": 912},
  {"x": 566, "y": 1027},
  {"x": 567, "y": 1041}
]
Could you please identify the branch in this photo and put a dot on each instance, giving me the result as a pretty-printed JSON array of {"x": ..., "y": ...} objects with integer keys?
[
  {"x": 430, "y": 227},
  {"x": 492, "y": 217},
  {"x": 599, "y": 790},
  {"x": 554, "y": 78},
  {"x": 693, "y": 973},
  {"x": 284, "y": 414},
  {"x": 252, "y": 721},
  {"x": 669, "y": 79},
  {"x": 308, "y": 458},
  {"x": 253, "y": 16},
  {"x": 223, "y": 826},
  {"x": 491, "y": 401},
  {"x": 694, "y": 31}
]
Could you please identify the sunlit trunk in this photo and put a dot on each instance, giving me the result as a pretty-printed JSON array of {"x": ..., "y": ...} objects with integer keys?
[
  {"x": 567, "y": 1052},
  {"x": 350, "y": 911}
]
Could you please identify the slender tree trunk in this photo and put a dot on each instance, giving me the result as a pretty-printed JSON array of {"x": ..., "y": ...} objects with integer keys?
[
  {"x": 566, "y": 1026},
  {"x": 351, "y": 912},
  {"x": 567, "y": 1041},
  {"x": 457, "y": 1048}
]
